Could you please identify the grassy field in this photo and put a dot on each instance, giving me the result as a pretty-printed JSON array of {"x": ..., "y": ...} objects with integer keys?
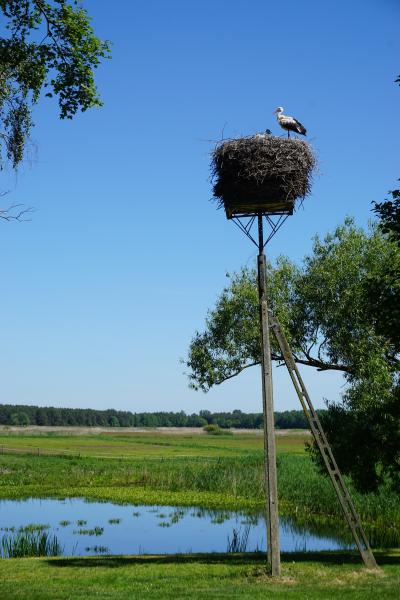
[
  {"x": 304, "y": 577},
  {"x": 145, "y": 444},
  {"x": 190, "y": 470}
]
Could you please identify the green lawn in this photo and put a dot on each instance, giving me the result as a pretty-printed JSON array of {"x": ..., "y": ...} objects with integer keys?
[{"x": 304, "y": 577}]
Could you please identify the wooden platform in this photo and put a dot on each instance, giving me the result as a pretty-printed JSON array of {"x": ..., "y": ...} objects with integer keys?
[{"x": 250, "y": 209}]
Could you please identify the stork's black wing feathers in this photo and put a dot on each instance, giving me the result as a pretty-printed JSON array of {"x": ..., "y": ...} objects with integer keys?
[{"x": 299, "y": 127}]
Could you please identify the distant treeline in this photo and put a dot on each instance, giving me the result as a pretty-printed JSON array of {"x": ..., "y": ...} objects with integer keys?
[{"x": 87, "y": 417}]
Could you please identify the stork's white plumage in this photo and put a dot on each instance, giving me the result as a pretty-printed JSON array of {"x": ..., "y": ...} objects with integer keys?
[{"x": 289, "y": 123}]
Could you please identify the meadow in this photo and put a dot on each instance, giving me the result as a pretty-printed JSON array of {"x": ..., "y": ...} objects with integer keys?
[
  {"x": 143, "y": 444},
  {"x": 181, "y": 469},
  {"x": 188, "y": 469}
]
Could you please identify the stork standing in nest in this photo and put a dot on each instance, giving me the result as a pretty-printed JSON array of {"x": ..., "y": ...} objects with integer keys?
[{"x": 289, "y": 123}]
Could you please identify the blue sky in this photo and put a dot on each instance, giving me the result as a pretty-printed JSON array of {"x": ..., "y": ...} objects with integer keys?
[{"x": 103, "y": 289}]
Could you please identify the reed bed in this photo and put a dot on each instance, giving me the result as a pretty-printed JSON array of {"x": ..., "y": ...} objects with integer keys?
[
  {"x": 237, "y": 481},
  {"x": 30, "y": 543}
]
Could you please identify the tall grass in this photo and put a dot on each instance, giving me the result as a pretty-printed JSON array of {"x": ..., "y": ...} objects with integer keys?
[
  {"x": 30, "y": 543},
  {"x": 302, "y": 488},
  {"x": 239, "y": 540}
]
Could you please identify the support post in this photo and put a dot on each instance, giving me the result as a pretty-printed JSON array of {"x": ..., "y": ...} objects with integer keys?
[{"x": 271, "y": 490}]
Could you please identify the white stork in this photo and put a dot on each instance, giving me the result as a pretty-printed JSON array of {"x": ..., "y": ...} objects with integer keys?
[{"x": 289, "y": 123}]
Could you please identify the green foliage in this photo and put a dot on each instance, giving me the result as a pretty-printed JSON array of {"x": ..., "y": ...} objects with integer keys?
[
  {"x": 321, "y": 307},
  {"x": 365, "y": 440},
  {"x": 50, "y": 47},
  {"x": 48, "y": 416},
  {"x": 389, "y": 215},
  {"x": 214, "y": 429},
  {"x": 93, "y": 531},
  {"x": 333, "y": 321},
  {"x": 20, "y": 419},
  {"x": 384, "y": 286},
  {"x": 231, "y": 340}
]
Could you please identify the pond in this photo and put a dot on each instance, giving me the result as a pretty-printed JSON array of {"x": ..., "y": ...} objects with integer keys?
[{"x": 86, "y": 528}]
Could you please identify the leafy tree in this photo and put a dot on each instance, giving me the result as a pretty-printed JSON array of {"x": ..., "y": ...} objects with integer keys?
[
  {"x": 51, "y": 48},
  {"x": 41, "y": 417},
  {"x": 389, "y": 214},
  {"x": 324, "y": 308},
  {"x": 19, "y": 419},
  {"x": 384, "y": 287},
  {"x": 23, "y": 419},
  {"x": 14, "y": 419},
  {"x": 11, "y": 414}
]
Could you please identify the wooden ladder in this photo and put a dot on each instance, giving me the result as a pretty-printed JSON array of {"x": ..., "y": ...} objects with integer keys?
[{"x": 339, "y": 485}]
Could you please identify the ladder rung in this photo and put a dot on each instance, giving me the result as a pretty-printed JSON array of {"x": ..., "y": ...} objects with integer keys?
[{"x": 351, "y": 515}]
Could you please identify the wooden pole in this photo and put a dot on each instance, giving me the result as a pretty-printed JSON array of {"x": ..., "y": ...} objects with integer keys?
[{"x": 271, "y": 491}]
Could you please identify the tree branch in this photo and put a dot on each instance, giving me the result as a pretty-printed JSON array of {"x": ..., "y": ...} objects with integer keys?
[
  {"x": 8, "y": 214},
  {"x": 50, "y": 23},
  {"x": 309, "y": 362}
]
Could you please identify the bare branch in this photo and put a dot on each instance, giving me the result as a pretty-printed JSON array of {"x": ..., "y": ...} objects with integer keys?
[
  {"x": 15, "y": 212},
  {"x": 308, "y": 362}
]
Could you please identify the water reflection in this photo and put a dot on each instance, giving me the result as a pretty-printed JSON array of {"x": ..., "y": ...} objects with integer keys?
[{"x": 86, "y": 528}]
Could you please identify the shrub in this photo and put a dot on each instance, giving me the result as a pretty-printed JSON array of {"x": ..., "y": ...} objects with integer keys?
[{"x": 213, "y": 429}]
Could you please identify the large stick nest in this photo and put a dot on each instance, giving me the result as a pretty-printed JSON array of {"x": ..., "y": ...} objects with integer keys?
[{"x": 261, "y": 172}]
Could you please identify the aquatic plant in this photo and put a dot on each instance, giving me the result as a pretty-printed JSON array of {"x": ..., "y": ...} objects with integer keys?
[
  {"x": 33, "y": 527},
  {"x": 81, "y": 522},
  {"x": 95, "y": 531},
  {"x": 176, "y": 516},
  {"x": 250, "y": 520},
  {"x": 30, "y": 543},
  {"x": 220, "y": 517},
  {"x": 114, "y": 521},
  {"x": 239, "y": 540},
  {"x": 64, "y": 523},
  {"x": 98, "y": 549}
]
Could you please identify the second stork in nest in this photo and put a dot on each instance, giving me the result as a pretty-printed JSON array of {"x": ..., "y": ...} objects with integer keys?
[{"x": 289, "y": 123}]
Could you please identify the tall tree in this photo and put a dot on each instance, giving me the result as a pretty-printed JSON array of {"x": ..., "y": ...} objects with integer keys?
[
  {"x": 50, "y": 48},
  {"x": 324, "y": 309}
]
